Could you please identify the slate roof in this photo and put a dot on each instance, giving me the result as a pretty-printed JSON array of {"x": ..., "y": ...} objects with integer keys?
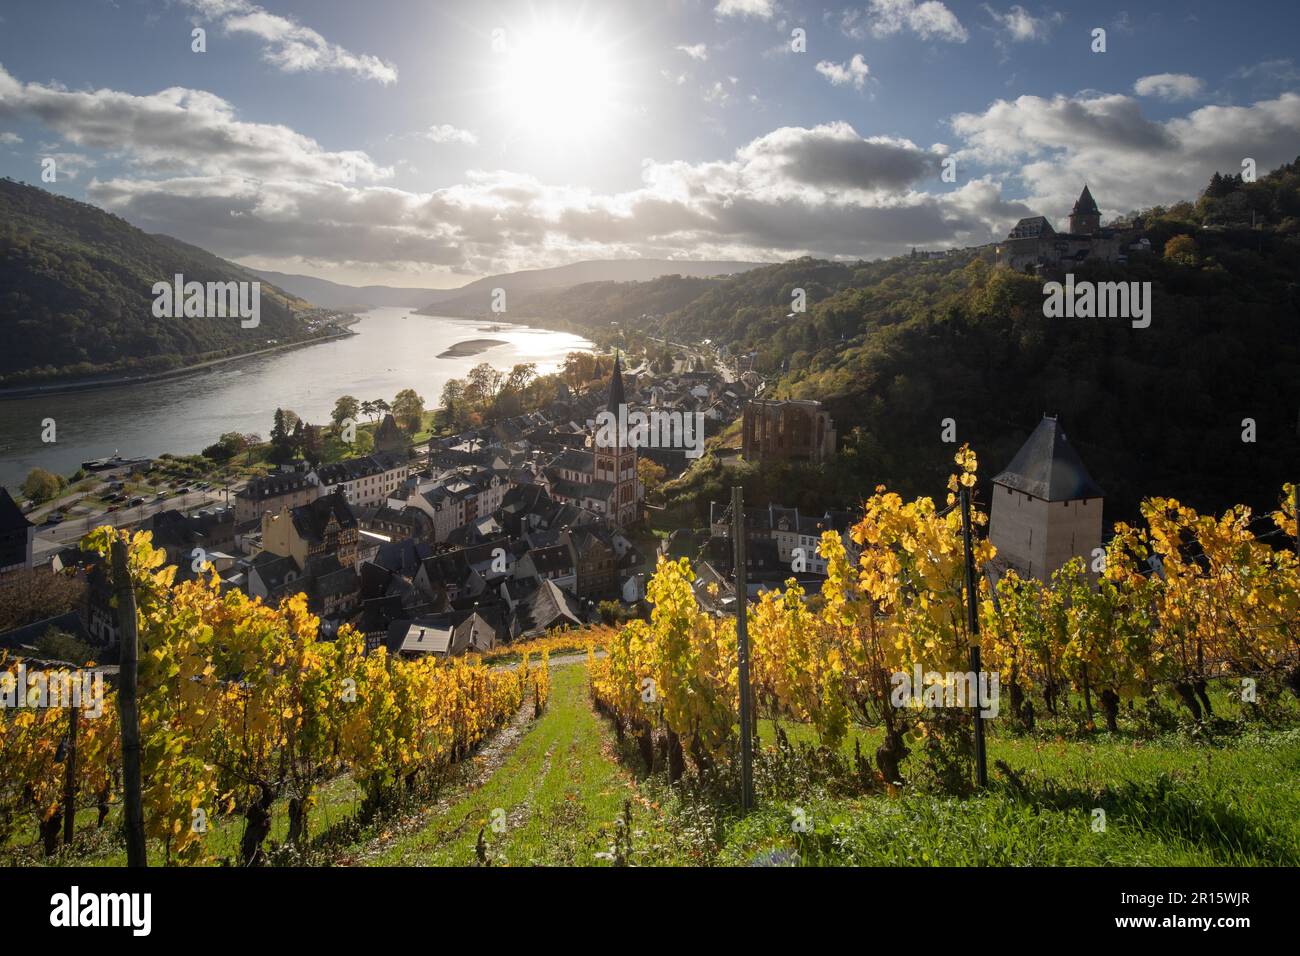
[
  {"x": 312, "y": 519},
  {"x": 272, "y": 486},
  {"x": 1047, "y": 467},
  {"x": 11, "y": 516},
  {"x": 547, "y": 607},
  {"x": 617, "y": 395},
  {"x": 1085, "y": 204},
  {"x": 276, "y": 572},
  {"x": 1032, "y": 227}
]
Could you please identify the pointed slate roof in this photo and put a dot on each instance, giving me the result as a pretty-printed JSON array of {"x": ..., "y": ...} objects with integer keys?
[
  {"x": 1048, "y": 468},
  {"x": 1085, "y": 203},
  {"x": 616, "y": 393}
]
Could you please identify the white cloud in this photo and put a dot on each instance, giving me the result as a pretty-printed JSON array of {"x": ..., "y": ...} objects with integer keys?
[
  {"x": 446, "y": 133},
  {"x": 1168, "y": 86},
  {"x": 180, "y": 129},
  {"x": 1021, "y": 26},
  {"x": 824, "y": 190},
  {"x": 697, "y": 51},
  {"x": 841, "y": 74},
  {"x": 717, "y": 93},
  {"x": 928, "y": 20},
  {"x": 10, "y": 139},
  {"x": 1128, "y": 160},
  {"x": 763, "y": 9},
  {"x": 291, "y": 46}
]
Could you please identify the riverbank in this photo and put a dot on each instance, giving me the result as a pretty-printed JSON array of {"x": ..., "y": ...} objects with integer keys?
[
  {"x": 185, "y": 413},
  {"x": 85, "y": 385}
]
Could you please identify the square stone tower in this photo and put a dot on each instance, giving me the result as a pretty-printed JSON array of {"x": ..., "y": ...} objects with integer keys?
[{"x": 1046, "y": 507}]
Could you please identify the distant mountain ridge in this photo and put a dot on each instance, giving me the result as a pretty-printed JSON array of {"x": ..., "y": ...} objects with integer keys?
[
  {"x": 476, "y": 297},
  {"x": 336, "y": 295},
  {"x": 76, "y": 295}
]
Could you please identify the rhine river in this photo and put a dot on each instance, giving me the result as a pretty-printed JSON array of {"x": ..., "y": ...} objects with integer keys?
[{"x": 393, "y": 349}]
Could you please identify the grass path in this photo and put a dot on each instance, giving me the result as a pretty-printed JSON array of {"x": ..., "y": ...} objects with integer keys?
[{"x": 556, "y": 798}]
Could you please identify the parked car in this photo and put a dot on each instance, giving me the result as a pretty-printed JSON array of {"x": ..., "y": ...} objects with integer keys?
[{"x": 54, "y": 517}]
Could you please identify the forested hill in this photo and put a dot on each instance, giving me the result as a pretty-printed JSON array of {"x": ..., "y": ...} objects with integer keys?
[
  {"x": 76, "y": 294},
  {"x": 896, "y": 346}
]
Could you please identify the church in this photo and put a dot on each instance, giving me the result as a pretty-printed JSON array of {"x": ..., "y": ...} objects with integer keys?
[
  {"x": 602, "y": 477},
  {"x": 1033, "y": 243}
]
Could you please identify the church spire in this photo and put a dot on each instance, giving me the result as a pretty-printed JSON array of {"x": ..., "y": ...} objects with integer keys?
[
  {"x": 1085, "y": 203},
  {"x": 617, "y": 396}
]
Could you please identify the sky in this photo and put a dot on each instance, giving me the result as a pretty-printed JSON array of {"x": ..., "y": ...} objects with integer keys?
[{"x": 419, "y": 143}]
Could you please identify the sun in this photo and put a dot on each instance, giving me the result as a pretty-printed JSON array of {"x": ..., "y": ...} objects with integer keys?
[{"x": 559, "y": 84}]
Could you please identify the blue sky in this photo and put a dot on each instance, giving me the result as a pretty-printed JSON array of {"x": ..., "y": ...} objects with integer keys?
[{"x": 424, "y": 143}]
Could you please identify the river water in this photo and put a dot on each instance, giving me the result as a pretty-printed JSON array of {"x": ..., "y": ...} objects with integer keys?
[{"x": 393, "y": 349}]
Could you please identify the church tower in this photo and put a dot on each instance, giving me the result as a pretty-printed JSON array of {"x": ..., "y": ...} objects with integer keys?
[
  {"x": 615, "y": 464},
  {"x": 1046, "y": 507},
  {"x": 1085, "y": 218}
]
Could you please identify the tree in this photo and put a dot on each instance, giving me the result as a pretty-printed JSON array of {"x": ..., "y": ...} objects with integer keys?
[
  {"x": 282, "y": 436},
  {"x": 408, "y": 410},
  {"x": 520, "y": 377},
  {"x": 651, "y": 474},
  {"x": 28, "y": 596},
  {"x": 313, "y": 444},
  {"x": 346, "y": 407},
  {"x": 1182, "y": 249},
  {"x": 226, "y": 447},
  {"x": 453, "y": 399},
  {"x": 482, "y": 384},
  {"x": 61, "y": 646},
  {"x": 41, "y": 485}
]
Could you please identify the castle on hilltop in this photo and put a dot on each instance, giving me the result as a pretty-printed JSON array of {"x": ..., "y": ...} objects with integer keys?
[{"x": 1033, "y": 243}]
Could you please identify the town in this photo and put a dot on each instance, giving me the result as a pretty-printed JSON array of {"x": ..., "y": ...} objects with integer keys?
[{"x": 529, "y": 524}]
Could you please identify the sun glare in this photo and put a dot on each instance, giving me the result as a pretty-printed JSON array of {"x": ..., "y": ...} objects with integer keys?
[{"x": 558, "y": 84}]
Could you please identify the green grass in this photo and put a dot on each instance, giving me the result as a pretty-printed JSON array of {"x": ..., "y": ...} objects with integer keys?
[
  {"x": 560, "y": 791},
  {"x": 1164, "y": 806},
  {"x": 1179, "y": 798},
  {"x": 336, "y": 800}
]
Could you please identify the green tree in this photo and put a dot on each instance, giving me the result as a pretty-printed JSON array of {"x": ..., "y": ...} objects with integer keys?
[
  {"x": 61, "y": 646},
  {"x": 346, "y": 407},
  {"x": 41, "y": 485},
  {"x": 1182, "y": 249},
  {"x": 408, "y": 410},
  {"x": 453, "y": 400}
]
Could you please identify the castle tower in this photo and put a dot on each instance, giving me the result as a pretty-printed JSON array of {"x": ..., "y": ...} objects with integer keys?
[
  {"x": 1085, "y": 218},
  {"x": 1046, "y": 507},
  {"x": 616, "y": 464}
]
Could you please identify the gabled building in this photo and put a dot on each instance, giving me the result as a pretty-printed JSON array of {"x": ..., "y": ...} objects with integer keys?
[
  {"x": 16, "y": 536},
  {"x": 545, "y": 608},
  {"x": 1046, "y": 508},
  {"x": 274, "y": 493},
  {"x": 324, "y": 526},
  {"x": 366, "y": 481},
  {"x": 595, "y": 562}
]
